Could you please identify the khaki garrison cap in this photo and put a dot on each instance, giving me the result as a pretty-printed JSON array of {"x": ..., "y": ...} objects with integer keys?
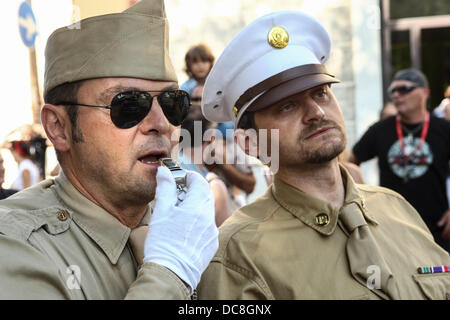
[
  {"x": 133, "y": 43},
  {"x": 274, "y": 57}
]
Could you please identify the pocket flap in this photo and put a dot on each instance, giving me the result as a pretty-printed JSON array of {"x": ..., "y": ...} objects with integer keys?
[{"x": 435, "y": 286}]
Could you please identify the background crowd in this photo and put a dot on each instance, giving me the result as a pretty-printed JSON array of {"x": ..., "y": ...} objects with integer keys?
[{"x": 236, "y": 183}]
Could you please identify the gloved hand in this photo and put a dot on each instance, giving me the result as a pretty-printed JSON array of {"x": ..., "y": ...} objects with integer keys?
[{"x": 183, "y": 237}]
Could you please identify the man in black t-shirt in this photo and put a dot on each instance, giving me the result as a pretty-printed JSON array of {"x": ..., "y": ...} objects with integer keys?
[{"x": 413, "y": 150}]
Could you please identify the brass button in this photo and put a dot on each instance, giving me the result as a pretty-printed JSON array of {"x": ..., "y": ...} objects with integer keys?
[
  {"x": 363, "y": 203},
  {"x": 322, "y": 219},
  {"x": 278, "y": 37},
  {"x": 63, "y": 215}
]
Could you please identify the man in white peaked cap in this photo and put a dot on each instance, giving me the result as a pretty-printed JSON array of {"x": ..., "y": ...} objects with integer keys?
[
  {"x": 112, "y": 108},
  {"x": 314, "y": 234}
]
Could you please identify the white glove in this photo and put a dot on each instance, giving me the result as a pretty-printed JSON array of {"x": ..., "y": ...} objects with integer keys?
[{"x": 183, "y": 237}]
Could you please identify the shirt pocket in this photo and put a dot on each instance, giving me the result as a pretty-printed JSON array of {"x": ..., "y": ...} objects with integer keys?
[{"x": 434, "y": 286}]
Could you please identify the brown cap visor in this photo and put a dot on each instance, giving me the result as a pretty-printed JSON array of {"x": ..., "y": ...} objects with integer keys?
[{"x": 289, "y": 88}]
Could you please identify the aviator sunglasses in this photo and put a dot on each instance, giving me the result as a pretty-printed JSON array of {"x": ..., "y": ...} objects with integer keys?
[
  {"x": 129, "y": 108},
  {"x": 402, "y": 90}
]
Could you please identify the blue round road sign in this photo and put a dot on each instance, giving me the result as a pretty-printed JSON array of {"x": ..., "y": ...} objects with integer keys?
[{"x": 27, "y": 24}]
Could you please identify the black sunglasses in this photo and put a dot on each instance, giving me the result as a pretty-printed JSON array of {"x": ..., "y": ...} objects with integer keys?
[
  {"x": 131, "y": 107},
  {"x": 402, "y": 90}
]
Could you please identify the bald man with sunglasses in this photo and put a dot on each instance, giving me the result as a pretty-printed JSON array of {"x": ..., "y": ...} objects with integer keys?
[
  {"x": 413, "y": 151},
  {"x": 113, "y": 224}
]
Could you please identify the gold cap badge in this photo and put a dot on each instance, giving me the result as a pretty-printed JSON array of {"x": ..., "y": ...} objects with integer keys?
[
  {"x": 235, "y": 111},
  {"x": 278, "y": 37}
]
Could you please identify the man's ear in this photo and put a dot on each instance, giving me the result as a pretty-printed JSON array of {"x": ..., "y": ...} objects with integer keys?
[
  {"x": 247, "y": 140},
  {"x": 57, "y": 126}
]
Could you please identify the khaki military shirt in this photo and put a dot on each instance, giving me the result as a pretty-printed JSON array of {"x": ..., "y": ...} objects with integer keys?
[
  {"x": 57, "y": 244},
  {"x": 273, "y": 248}
]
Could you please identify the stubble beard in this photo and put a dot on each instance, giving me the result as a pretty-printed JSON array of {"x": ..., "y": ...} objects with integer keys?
[
  {"x": 126, "y": 188},
  {"x": 142, "y": 190},
  {"x": 329, "y": 149},
  {"x": 120, "y": 187}
]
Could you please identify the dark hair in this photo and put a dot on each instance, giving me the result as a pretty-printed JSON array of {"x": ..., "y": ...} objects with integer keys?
[
  {"x": 199, "y": 52},
  {"x": 22, "y": 148},
  {"x": 247, "y": 121},
  {"x": 195, "y": 115},
  {"x": 67, "y": 92}
]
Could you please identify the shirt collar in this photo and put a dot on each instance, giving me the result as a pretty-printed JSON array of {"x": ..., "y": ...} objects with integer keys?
[
  {"x": 312, "y": 211},
  {"x": 103, "y": 228}
]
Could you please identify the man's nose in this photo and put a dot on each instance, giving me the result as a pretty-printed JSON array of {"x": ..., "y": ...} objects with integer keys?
[
  {"x": 395, "y": 94},
  {"x": 155, "y": 121},
  {"x": 314, "y": 112}
]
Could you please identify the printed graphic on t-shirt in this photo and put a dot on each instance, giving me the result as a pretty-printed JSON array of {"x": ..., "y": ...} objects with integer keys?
[{"x": 414, "y": 162}]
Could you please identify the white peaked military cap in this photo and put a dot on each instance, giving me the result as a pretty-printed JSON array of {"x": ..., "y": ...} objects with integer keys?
[{"x": 274, "y": 57}]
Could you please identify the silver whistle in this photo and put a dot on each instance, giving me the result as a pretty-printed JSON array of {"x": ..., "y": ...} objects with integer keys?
[{"x": 179, "y": 175}]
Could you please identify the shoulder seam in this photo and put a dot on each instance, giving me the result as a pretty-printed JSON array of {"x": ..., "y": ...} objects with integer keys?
[{"x": 380, "y": 189}]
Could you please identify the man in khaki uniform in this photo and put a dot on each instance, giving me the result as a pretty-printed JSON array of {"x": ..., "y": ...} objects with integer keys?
[
  {"x": 314, "y": 234},
  {"x": 112, "y": 108}
]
